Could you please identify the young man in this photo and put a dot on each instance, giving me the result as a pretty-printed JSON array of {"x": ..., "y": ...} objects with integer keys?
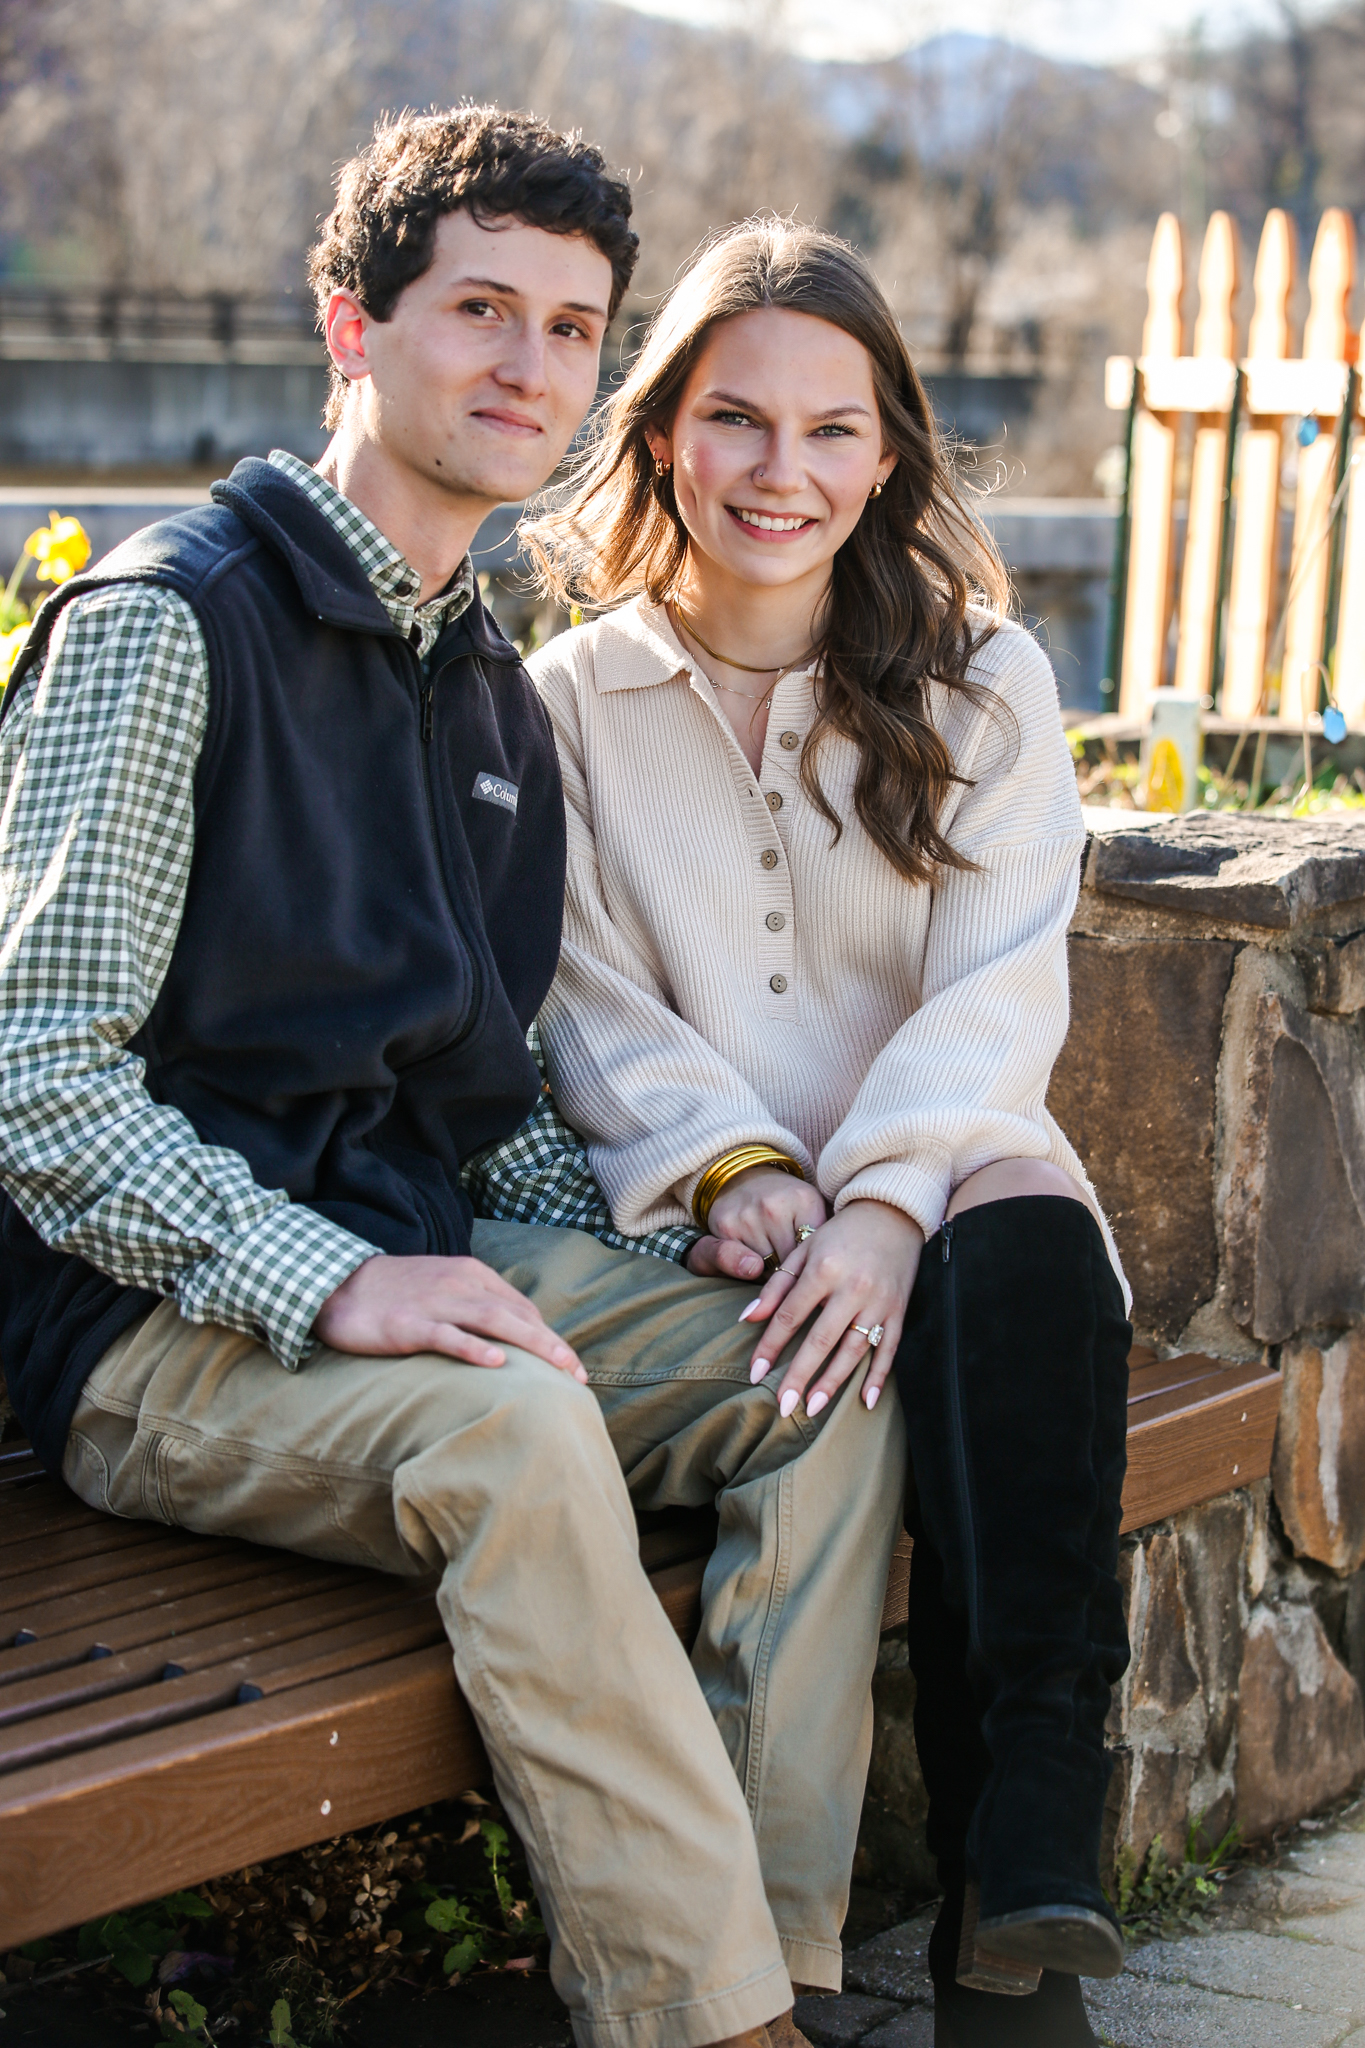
[{"x": 283, "y": 849}]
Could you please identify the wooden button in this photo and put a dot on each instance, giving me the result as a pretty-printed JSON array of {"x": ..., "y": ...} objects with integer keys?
[
  {"x": 768, "y": 858},
  {"x": 778, "y": 984},
  {"x": 774, "y": 799},
  {"x": 789, "y": 740},
  {"x": 774, "y": 920}
]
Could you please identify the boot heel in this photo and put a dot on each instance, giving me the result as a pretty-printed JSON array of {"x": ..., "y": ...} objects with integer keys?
[{"x": 980, "y": 1970}]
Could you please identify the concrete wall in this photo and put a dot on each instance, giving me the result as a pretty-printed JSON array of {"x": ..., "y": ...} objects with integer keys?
[
  {"x": 118, "y": 414},
  {"x": 1057, "y": 549}
]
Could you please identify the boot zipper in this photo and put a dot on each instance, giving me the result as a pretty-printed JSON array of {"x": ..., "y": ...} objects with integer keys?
[{"x": 957, "y": 1434}]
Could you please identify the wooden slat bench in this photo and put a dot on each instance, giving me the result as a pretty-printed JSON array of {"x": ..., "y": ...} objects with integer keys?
[{"x": 175, "y": 1706}]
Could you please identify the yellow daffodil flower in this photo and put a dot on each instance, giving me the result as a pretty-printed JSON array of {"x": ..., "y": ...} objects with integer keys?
[
  {"x": 10, "y": 644},
  {"x": 60, "y": 548}
]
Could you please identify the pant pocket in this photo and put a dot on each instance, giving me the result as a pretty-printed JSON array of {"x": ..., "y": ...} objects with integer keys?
[
  {"x": 86, "y": 1472},
  {"x": 288, "y": 1503}
]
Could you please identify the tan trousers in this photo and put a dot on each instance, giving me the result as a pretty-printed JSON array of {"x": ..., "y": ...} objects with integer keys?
[{"x": 687, "y": 1861}]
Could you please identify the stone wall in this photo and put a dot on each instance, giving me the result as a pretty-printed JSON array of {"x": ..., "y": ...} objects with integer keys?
[{"x": 1214, "y": 1083}]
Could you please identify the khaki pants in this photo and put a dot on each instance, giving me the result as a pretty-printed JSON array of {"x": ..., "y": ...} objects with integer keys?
[{"x": 690, "y": 1829}]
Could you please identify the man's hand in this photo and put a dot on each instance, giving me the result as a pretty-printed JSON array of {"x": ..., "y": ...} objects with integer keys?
[{"x": 389, "y": 1308}]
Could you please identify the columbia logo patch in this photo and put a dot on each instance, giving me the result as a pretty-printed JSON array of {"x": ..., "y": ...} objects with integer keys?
[{"x": 496, "y": 789}]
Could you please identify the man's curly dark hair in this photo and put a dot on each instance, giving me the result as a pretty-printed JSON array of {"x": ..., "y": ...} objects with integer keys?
[{"x": 381, "y": 234}]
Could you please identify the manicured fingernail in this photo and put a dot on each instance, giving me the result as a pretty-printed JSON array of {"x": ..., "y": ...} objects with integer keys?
[
  {"x": 745, "y": 1313},
  {"x": 872, "y": 1396},
  {"x": 788, "y": 1402},
  {"x": 759, "y": 1370},
  {"x": 816, "y": 1403},
  {"x": 753, "y": 1265}
]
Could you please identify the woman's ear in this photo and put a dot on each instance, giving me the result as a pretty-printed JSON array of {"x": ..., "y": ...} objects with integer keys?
[
  {"x": 885, "y": 467},
  {"x": 659, "y": 443}
]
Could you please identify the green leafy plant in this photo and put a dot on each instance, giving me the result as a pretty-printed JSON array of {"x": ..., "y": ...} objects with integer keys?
[
  {"x": 281, "y": 2023},
  {"x": 135, "y": 1940},
  {"x": 193, "y": 2019},
  {"x": 1166, "y": 1898},
  {"x": 479, "y": 1939}
]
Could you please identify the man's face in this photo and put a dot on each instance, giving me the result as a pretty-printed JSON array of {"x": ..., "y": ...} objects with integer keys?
[{"x": 488, "y": 363}]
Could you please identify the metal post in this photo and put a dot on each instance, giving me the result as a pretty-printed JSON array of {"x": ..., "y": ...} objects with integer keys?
[
  {"x": 1225, "y": 540},
  {"x": 1118, "y": 573},
  {"x": 1332, "y": 613}
]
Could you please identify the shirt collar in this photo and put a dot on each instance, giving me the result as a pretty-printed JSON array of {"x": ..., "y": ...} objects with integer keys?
[{"x": 391, "y": 576}]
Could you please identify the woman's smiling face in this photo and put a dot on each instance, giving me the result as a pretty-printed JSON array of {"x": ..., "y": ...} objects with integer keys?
[{"x": 776, "y": 445}]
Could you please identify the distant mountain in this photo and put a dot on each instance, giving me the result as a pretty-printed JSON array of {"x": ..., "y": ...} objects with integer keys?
[{"x": 945, "y": 94}]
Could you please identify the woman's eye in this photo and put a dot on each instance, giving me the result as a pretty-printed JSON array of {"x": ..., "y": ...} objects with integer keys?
[
  {"x": 831, "y": 428},
  {"x": 733, "y": 419}
]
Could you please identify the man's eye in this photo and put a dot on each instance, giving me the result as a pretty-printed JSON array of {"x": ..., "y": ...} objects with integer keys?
[
  {"x": 570, "y": 328},
  {"x": 479, "y": 307}
]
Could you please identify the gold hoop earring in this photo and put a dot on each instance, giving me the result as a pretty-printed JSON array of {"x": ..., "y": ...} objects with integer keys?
[
  {"x": 661, "y": 468},
  {"x": 877, "y": 489}
]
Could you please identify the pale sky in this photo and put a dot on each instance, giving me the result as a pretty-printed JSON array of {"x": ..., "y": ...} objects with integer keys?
[{"x": 1087, "y": 31}]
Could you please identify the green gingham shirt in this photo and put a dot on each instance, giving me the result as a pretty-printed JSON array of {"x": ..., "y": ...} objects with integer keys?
[
  {"x": 97, "y": 763},
  {"x": 541, "y": 1175}
]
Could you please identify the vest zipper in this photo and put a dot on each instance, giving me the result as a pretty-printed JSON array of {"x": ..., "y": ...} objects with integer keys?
[
  {"x": 958, "y": 1440},
  {"x": 426, "y": 704}
]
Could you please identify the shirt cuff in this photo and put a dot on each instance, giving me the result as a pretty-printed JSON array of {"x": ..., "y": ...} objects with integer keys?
[
  {"x": 920, "y": 1190},
  {"x": 273, "y": 1281}
]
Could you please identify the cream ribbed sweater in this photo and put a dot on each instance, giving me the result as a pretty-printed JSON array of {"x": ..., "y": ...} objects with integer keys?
[{"x": 729, "y": 973}]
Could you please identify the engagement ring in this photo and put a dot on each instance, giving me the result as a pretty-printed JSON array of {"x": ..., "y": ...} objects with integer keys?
[{"x": 874, "y": 1335}]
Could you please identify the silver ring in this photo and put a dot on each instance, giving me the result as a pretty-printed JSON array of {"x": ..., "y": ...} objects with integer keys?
[
  {"x": 874, "y": 1335},
  {"x": 803, "y": 1231}
]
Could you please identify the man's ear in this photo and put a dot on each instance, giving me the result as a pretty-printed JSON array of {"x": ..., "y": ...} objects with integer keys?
[{"x": 345, "y": 329}]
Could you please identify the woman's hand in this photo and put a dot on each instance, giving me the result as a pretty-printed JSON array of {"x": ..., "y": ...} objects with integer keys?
[
  {"x": 859, "y": 1267},
  {"x": 756, "y": 1217}
]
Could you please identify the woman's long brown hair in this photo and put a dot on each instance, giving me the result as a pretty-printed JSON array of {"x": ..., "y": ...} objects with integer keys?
[{"x": 916, "y": 588}]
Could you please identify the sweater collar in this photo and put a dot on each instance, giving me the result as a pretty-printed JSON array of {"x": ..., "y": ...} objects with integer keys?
[{"x": 637, "y": 648}]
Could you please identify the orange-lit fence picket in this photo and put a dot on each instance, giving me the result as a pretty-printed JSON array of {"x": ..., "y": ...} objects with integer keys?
[{"x": 1255, "y": 641}]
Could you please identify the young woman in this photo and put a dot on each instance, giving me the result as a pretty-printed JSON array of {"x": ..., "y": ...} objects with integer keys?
[{"x": 824, "y": 844}]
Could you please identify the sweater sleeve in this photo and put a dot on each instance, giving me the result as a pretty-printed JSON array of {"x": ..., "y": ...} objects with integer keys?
[
  {"x": 655, "y": 1101},
  {"x": 964, "y": 1081}
]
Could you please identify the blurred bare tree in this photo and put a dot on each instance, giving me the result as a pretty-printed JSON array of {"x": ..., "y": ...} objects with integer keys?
[
  {"x": 151, "y": 145},
  {"x": 1294, "y": 127},
  {"x": 1007, "y": 200}
]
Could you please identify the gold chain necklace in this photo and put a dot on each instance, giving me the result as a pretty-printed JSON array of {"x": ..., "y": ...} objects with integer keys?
[{"x": 746, "y": 667}]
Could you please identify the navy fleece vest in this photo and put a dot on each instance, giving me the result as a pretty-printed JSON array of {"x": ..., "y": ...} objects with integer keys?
[{"x": 372, "y": 918}]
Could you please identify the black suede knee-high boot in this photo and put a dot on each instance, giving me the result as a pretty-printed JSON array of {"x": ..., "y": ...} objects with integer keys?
[
  {"x": 1013, "y": 1377},
  {"x": 956, "y": 1764}
]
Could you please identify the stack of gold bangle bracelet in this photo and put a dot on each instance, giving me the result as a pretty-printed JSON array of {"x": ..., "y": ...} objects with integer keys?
[{"x": 722, "y": 1171}]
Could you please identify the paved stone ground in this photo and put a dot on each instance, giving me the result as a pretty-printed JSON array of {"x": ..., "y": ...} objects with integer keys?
[{"x": 1282, "y": 1965}]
